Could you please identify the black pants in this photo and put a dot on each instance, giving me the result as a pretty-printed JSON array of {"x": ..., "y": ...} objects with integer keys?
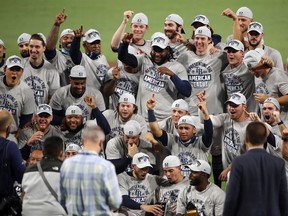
[{"x": 217, "y": 167}]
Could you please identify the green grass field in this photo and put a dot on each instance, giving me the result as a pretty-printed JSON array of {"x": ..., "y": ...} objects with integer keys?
[{"x": 38, "y": 15}]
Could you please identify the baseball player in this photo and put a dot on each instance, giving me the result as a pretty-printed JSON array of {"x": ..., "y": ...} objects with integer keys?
[
  {"x": 179, "y": 108},
  {"x": 89, "y": 99},
  {"x": 60, "y": 59},
  {"x": 138, "y": 27},
  {"x": 241, "y": 20},
  {"x": 201, "y": 20},
  {"x": 72, "y": 150},
  {"x": 73, "y": 123},
  {"x": 122, "y": 148},
  {"x": 273, "y": 82},
  {"x": 159, "y": 75},
  {"x": 39, "y": 74},
  {"x": 187, "y": 146},
  {"x": 233, "y": 126},
  {"x": 16, "y": 96},
  {"x": 204, "y": 195},
  {"x": 255, "y": 40},
  {"x": 119, "y": 80},
  {"x": 271, "y": 116},
  {"x": 173, "y": 26},
  {"x": 137, "y": 187},
  {"x": 2, "y": 57},
  {"x": 23, "y": 44},
  {"x": 236, "y": 75},
  {"x": 93, "y": 61},
  {"x": 33, "y": 137},
  {"x": 126, "y": 110},
  {"x": 203, "y": 69},
  {"x": 168, "y": 195}
]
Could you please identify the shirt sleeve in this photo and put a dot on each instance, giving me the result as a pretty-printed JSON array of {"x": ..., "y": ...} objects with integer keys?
[
  {"x": 181, "y": 202},
  {"x": 112, "y": 187}
]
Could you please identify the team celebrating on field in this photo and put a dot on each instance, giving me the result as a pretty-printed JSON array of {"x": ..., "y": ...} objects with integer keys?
[{"x": 80, "y": 136}]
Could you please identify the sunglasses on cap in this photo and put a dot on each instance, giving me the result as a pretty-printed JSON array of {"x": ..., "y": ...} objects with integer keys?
[
  {"x": 198, "y": 18},
  {"x": 159, "y": 40},
  {"x": 14, "y": 60},
  {"x": 93, "y": 34},
  {"x": 234, "y": 43},
  {"x": 143, "y": 159},
  {"x": 44, "y": 107},
  {"x": 255, "y": 25}
]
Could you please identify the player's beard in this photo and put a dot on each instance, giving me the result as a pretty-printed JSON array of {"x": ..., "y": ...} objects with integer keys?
[
  {"x": 195, "y": 181},
  {"x": 170, "y": 34},
  {"x": 255, "y": 45},
  {"x": 162, "y": 61},
  {"x": 77, "y": 129},
  {"x": 25, "y": 54}
]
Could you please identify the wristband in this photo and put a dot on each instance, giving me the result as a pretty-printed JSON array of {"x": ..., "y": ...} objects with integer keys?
[
  {"x": 56, "y": 24},
  {"x": 151, "y": 116}
]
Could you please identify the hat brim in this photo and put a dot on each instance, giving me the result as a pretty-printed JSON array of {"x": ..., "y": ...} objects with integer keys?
[
  {"x": 73, "y": 77},
  {"x": 232, "y": 48},
  {"x": 44, "y": 112},
  {"x": 233, "y": 101},
  {"x": 193, "y": 23},
  {"x": 260, "y": 32},
  {"x": 143, "y": 165},
  {"x": 93, "y": 39},
  {"x": 15, "y": 65},
  {"x": 159, "y": 45},
  {"x": 194, "y": 168}
]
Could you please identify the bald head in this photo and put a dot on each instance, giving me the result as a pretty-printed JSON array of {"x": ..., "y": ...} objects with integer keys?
[{"x": 5, "y": 120}]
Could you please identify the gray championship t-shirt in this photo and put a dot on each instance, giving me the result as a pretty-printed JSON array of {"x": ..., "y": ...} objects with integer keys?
[
  {"x": 204, "y": 74},
  {"x": 151, "y": 82},
  {"x": 44, "y": 81},
  {"x": 18, "y": 100},
  {"x": 63, "y": 98},
  {"x": 208, "y": 202},
  {"x": 239, "y": 79}
]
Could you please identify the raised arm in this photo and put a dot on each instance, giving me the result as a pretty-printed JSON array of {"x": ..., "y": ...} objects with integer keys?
[
  {"x": 208, "y": 126},
  {"x": 237, "y": 34},
  {"x": 109, "y": 86},
  {"x": 53, "y": 36},
  {"x": 153, "y": 124},
  {"x": 117, "y": 37},
  {"x": 97, "y": 114},
  {"x": 280, "y": 123},
  {"x": 75, "y": 52},
  {"x": 123, "y": 54}
]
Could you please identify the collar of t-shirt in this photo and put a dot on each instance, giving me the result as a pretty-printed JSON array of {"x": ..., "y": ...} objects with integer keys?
[
  {"x": 187, "y": 143},
  {"x": 93, "y": 55}
]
